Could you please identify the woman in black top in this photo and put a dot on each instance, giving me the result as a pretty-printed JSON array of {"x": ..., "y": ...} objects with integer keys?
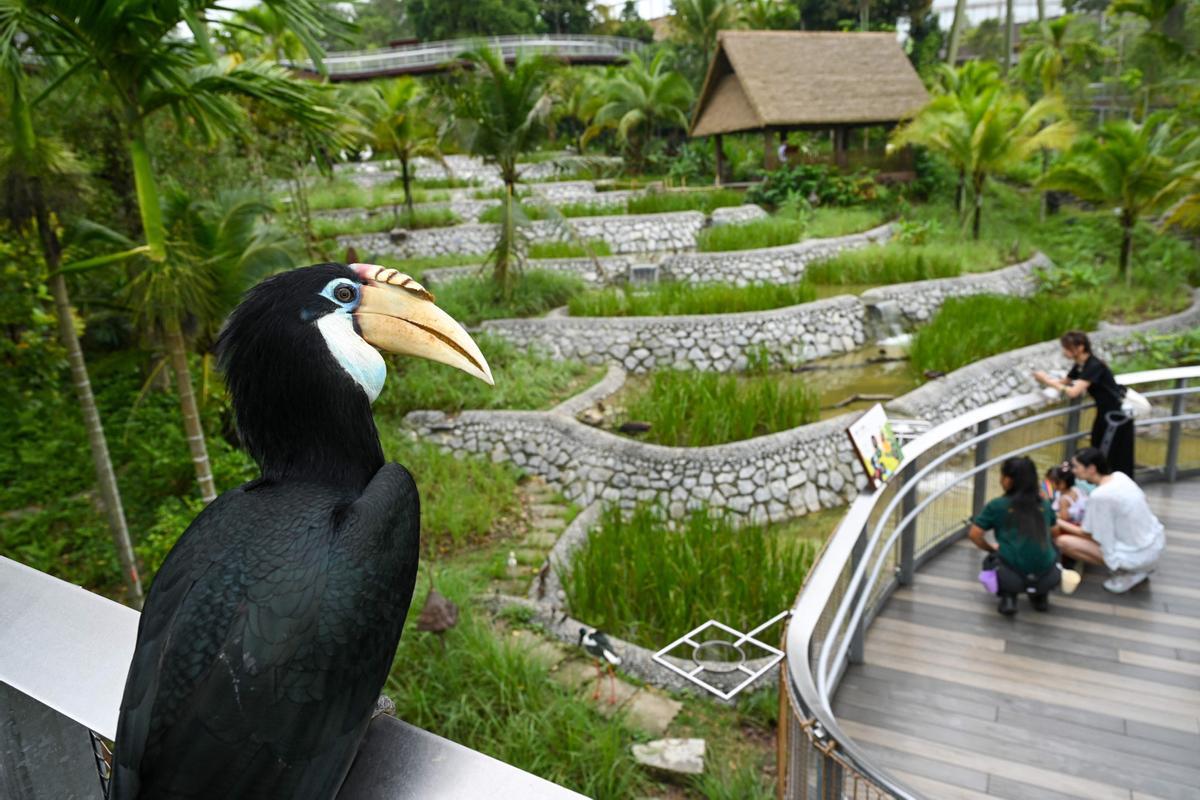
[{"x": 1093, "y": 376}]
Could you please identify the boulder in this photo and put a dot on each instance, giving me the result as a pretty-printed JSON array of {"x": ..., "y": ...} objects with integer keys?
[{"x": 672, "y": 756}]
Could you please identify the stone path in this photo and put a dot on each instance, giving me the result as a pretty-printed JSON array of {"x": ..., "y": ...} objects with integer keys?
[{"x": 645, "y": 708}]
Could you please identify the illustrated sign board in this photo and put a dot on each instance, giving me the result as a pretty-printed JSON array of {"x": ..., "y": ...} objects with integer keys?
[{"x": 877, "y": 445}]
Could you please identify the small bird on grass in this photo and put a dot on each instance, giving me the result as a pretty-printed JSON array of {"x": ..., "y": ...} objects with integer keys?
[
  {"x": 439, "y": 614},
  {"x": 598, "y": 646}
]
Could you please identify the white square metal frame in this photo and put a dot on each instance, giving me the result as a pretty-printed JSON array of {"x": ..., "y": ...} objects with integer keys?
[{"x": 775, "y": 655}]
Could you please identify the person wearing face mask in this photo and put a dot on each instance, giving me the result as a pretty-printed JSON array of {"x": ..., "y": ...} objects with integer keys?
[
  {"x": 1112, "y": 430},
  {"x": 1118, "y": 530}
]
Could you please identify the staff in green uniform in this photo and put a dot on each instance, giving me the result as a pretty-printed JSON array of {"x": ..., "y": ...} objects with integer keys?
[{"x": 1022, "y": 521}]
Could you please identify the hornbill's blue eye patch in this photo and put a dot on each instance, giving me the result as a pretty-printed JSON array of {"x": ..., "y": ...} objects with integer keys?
[{"x": 342, "y": 291}]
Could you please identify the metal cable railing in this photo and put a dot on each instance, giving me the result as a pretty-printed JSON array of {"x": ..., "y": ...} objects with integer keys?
[
  {"x": 948, "y": 473},
  {"x": 433, "y": 54}
]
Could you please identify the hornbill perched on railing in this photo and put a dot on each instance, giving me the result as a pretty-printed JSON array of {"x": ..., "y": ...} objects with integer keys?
[{"x": 271, "y": 626}]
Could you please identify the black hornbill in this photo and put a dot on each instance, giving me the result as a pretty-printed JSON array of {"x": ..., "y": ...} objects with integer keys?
[{"x": 270, "y": 628}]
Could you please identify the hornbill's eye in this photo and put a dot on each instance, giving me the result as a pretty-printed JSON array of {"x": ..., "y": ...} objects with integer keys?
[{"x": 343, "y": 293}]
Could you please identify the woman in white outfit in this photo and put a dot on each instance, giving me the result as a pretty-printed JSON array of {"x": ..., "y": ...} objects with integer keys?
[{"x": 1118, "y": 530}]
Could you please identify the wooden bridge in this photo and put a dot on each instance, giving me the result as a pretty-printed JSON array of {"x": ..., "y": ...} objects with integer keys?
[
  {"x": 904, "y": 682},
  {"x": 424, "y": 58}
]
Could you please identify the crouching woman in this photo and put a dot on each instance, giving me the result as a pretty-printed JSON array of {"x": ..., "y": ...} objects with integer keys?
[
  {"x": 1118, "y": 529},
  {"x": 1021, "y": 520}
]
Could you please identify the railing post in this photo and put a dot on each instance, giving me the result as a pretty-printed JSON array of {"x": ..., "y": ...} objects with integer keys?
[
  {"x": 979, "y": 495},
  {"x": 908, "y": 536},
  {"x": 1173, "y": 433},
  {"x": 857, "y": 636},
  {"x": 1071, "y": 445}
]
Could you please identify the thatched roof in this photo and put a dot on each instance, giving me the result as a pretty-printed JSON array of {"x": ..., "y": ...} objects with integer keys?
[{"x": 797, "y": 79}]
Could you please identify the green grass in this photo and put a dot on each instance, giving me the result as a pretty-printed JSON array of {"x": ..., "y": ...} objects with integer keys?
[
  {"x": 446, "y": 183},
  {"x": 666, "y": 202},
  {"x": 498, "y": 193},
  {"x": 784, "y": 229},
  {"x": 558, "y": 249},
  {"x": 643, "y": 581},
  {"x": 344, "y": 193},
  {"x": 524, "y": 380},
  {"x": 663, "y": 299},
  {"x": 687, "y": 408},
  {"x": 889, "y": 263},
  {"x": 422, "y": 217},
  {"x": 534, "y": 292},
  {"x": 483, "y": 691},
  {"x": 416, "y": 267},
  {"x": 967, "y": 329}
]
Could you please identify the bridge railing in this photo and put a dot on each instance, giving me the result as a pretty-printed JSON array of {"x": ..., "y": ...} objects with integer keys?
[
  {"x": 64, "y": 653},
  {"x": 947, "y": 474},
  {"x": 432, "y": 54}
]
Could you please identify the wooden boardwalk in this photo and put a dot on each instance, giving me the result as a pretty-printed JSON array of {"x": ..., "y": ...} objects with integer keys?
[{"x": 1099, "y": 698}]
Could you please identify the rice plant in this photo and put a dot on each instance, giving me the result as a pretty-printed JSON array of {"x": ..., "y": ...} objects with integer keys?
[
  {"x": 648, "y": 582},
  {"x": 525, "y": 379},
  {"x": 788, "y": 227},
  {"x": 967, "y": 329},
  {"x": 422, "y": 217},
  {"x": 662, "y": 299},
  {"x": 345, "y": 193},
  {"x": 666, "y": 202},
  {"x": 689, "y": 408},
  {"x": 571, "y": 249},
  {"x": 471, "y": 300},
  {"x": 889, "y": 263}
]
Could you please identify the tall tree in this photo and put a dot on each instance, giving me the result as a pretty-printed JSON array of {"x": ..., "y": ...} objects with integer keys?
[
  {"x": 449, "y": 19},
  {"x": 566, "y": 16},
  {"x": 1134, "y": 169},
  {"x": 142, "y": 68},
  {"x": 28, "y": 163},
  {"x": 983, "y": 127},
  {"x": 401, "y": 123},
  {"x": 695, "y": 24},
  {"x": 501, "y": 114},
  {"x": 956, "y": 28},
  {"x": 640, "y": 99}
]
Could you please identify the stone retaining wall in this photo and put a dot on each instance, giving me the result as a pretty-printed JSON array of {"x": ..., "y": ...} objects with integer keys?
[
  {"x": 1010, "y": 373},
  {"x": 737, "y": 215},
  {"x": 716, "y": 342},
  {"x": 783, "y": 264},
  {"x": 773, "y": 477},
  {"x": 597, "y": 273},
  {"x": 643, "y": 233},
  {"x": 917, "y": 302}
]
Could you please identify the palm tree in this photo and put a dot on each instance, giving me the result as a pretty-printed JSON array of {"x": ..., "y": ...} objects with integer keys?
[
  {"x": 143, "y": 68},
  {"x": 769, "y": 15},
  {"x": 983, "y": 128},
  {"x": 1134, "y": 169},
  {"x": 501, "y": 114},
  {"x": 28, "y": 163},
  {"x": 641, "y": 98},
  {"x": 1053, "y": 47},
  {"x": 960, "y": 17},
  {"x": 696, "y": 23},
  {"x": 400, "y": 117}
]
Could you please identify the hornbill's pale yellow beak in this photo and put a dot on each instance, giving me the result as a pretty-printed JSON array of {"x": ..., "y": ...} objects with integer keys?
[{"x": 397, "y": 314}]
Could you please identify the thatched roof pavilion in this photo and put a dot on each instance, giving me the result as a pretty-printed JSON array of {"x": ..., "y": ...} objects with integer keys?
[{"x": 777, "y": 81}]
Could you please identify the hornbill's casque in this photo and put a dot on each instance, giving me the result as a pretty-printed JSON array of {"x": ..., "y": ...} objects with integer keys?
[{"x": 269, "y": 630}]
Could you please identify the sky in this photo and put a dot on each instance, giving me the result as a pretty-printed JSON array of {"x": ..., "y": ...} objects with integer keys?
[{"x": 977, "y": 10}]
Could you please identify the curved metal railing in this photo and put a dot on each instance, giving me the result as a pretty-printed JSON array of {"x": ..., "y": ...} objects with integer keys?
[
  {"x": 886, "y": 535},
  {"x": 427, "y": 56}
]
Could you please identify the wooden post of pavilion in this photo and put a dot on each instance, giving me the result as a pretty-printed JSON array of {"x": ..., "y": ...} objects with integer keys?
[{"x": 719, "y": 145}]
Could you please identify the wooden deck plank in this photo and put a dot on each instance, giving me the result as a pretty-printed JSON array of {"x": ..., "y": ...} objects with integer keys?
[{"x": 1098, "y": 698}]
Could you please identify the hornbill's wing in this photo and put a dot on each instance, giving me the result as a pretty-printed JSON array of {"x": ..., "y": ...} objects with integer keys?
[{"x": 262, "y": 651}]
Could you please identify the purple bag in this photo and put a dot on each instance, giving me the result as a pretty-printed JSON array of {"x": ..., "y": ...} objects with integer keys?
[{"x": 987, "y": 575}]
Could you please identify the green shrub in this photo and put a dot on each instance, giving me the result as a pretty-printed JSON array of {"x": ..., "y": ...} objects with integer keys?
[
  {"x": 889, "y": 263},
  {"x": 821, "y": 182},
  {"x": 665, "y": 299},
  {"x": 1162, "y": 350},
  {"x": 967, "y": 329},
  {"x": 641, "y": 580},
  {"x": 474, "y": 299},
  {"x": 490, "y": 694},
  {"x": 524, "y": 380},
  {"x": 688, "y": 408},
  {"x": 572, "y": 249}
]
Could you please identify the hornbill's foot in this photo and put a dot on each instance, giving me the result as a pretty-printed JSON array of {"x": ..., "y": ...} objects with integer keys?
[{"x": 384, "y": 705}]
